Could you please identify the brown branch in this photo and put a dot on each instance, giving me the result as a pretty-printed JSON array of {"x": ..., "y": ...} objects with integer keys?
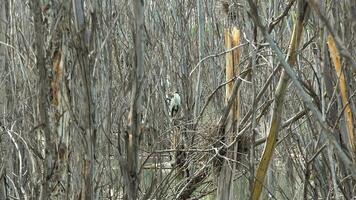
[
  {"x": 215, "y": 55},
  {"x": 305, "y": 98},
  {"x": 341, "y": 46},
  {"x": 238, "y": 82},
  {"x": 280, "y": 17}
]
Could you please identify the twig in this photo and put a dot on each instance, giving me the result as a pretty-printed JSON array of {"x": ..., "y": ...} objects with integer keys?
[
  {"x": 305, "y": 98},
  {"x": 215, "y": 55},
  {"x": 240, "y": 78},
  {"x": 280, "y": 17},
  {"x": 342, "y": 49}
]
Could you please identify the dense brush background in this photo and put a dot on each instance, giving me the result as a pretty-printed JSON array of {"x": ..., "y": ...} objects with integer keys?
[{"x": 68, "y": 77}]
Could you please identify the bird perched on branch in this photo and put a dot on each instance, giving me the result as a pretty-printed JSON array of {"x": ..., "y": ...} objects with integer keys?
[{"x": 174, "y": 103}]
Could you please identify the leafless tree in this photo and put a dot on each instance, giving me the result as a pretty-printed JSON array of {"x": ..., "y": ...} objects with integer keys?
[{"x": 84, "y": 99}]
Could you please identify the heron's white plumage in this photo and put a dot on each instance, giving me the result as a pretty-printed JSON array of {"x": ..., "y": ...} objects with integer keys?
[{"x": 174, "y": 104}]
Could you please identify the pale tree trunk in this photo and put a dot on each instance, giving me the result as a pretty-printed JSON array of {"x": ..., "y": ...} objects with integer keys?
[
  {"x": 201, "y": 38},
  {"x": 86, "y": 103},
  {"x": 201, "y": 52},
  {"x": 225, "y": 187},
  {"x": 252, "y": 136},
  {"x": 278, "y": 102},
  {"x": 59, "y": 117},
  {"x": 3, "y": 62},
  {"x": 43, "y": 104},
  {"x": 136, "y": 102},
  {"x": 334, "y": 54},
  {"x": 180, "y": 135}
]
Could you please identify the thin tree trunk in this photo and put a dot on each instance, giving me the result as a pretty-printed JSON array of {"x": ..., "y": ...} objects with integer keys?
[
  {"x": 278, "y": 103},
  {"x": 43, "y": 104},
  {"x": 334, "y": 54},
  {"x": 136, "y": 102},
  {"x": 86, "y": 103},
  {"x": 201, "y": 38},
  {"x": 225, "y": 189}
]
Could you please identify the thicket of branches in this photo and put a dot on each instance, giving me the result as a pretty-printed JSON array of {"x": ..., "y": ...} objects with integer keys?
[{"x": 84, "y": 113}]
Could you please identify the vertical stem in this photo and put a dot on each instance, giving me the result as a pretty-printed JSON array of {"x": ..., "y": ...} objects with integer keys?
[
  {"x": 42, "y": 100},
  {"x": 138, "y": 70},
  {"x": 279, "y": 98},
  {"x": 201, "y": 35},
  {"x": 334, "y": 53}
]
